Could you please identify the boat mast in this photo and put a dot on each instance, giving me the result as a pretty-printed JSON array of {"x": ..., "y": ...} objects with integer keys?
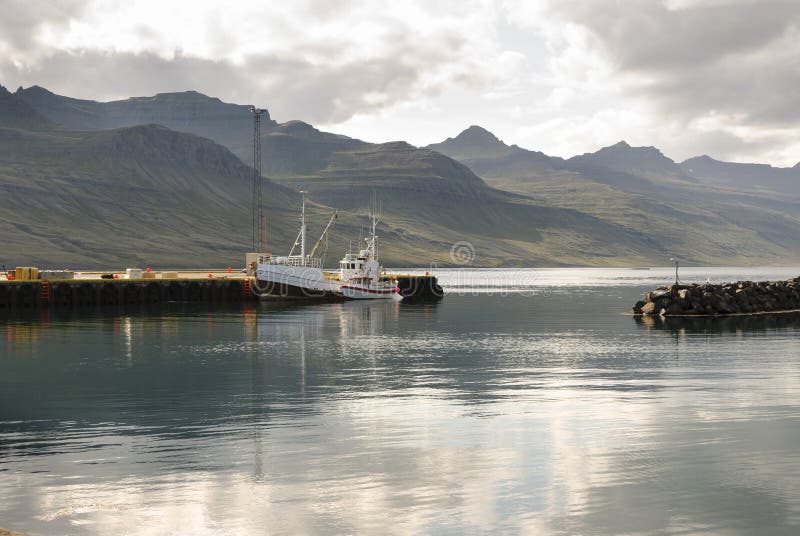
[
  {"x": 372, "y": 241},
  {"x": 303, "y": 229}
]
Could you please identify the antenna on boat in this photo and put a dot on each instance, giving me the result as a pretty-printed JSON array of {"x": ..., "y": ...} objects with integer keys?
[
  {"x": 264, "y": 234},
  {"x": 375, "y": 216},
  {"x": 303, "y": 229}
]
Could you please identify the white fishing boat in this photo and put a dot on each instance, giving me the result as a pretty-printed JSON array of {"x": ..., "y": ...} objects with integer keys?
[
  {"x": 296, "y": 276},
  {"x": 361, "y": 276}
]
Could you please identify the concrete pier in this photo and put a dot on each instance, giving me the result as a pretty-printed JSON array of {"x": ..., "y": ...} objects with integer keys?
[
  {"x": 88, "y": 289},
  {"x": 67, "y": 293}
]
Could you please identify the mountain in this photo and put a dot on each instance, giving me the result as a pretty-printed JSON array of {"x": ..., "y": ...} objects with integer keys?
[
  {"x": 142, "y": 195},
  {"x": 295, "y": 148},
  {"x": 290, "y": 148},
  {"x": 635, "y": 160},
  {"x": 15, "y": 113},
  {"x": 487, "y": 155},
  {"x": 623, "y": 165},
  {"x": 642, "y": 190},
  {"x": 474, "y": 142},
  {"x": 620, "y": 205},
  {"x": 136, "y": 196},
  {"x": 744, "y": 177},
  {"x": 426, "y": 194},
  {"x": 188, "y": 111},
  {"x": 429, "y": 200}
]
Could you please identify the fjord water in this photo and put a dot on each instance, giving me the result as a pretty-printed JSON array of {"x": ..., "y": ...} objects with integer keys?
[{"x": 527, "y": 401}]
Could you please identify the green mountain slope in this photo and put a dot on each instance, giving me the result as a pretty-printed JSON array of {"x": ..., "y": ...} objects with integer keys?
[
  {"x": 289, "y": 148},
  {"x": 188, "y": 111},
  {"x": 425, "y": 193},
  {"x": 143, "y": 195},
  {"x": 620, "y": 205},
  {"x": 16, "y": 113},
  {"x": 751, "y": 178},
  {"x": 640, "y": 189},
  {"x": 429, "y": 201},
  {"x": 147, "y": 195},
  {"x": 623, "y": 160}
]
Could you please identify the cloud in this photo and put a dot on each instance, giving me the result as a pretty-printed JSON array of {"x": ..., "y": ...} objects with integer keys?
[
  {"x": 566, "y": 76},
  {"x": 306, "y": 61},
  {"x": 295, "y": 87},
  {"x": 23, "y": 21},
  {"x": 735, "y": 64}
]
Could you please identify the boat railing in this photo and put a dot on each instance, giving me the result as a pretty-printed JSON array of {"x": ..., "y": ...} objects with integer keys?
[{"x": 290, "y": 260}]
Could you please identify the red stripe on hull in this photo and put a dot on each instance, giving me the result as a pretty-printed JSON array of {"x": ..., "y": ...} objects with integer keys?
[{"x": 373, "y": 291}]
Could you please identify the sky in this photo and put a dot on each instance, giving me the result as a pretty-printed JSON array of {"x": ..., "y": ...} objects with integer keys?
[{"x": 691, "y": 77}]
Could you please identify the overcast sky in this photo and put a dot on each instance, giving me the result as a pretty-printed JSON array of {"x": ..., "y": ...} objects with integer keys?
[{"x": 717, "y": 77}]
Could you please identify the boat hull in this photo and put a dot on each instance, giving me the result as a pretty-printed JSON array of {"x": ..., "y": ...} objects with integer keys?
[
  {"x": 360, "y": 292},
  {"x": 294, "y": 282}
]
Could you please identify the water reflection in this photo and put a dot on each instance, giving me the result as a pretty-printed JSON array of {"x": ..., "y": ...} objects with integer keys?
[
  {"x": 530, "y": 414},
  {"x": 721, "y": 325}
]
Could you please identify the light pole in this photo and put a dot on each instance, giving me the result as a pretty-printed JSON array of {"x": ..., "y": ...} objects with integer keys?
[{"x": 675, "y": 260}]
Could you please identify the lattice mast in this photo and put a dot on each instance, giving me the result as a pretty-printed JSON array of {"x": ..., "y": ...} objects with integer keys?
[{"x": 258, "y": 205}]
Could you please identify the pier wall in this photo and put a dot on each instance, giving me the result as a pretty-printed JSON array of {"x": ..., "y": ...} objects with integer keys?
[
  {"x": 104, "y": 292},
  {"x": 419, "y": 287},
  {"x": 67, "y": 293}
]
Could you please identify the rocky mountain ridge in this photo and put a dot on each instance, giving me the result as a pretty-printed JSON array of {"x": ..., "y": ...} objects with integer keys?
[{"x": 620, "y": 205}]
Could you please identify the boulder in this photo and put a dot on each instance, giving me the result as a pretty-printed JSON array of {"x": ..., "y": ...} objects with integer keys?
[
  {"x": 649, "y": 308},
  {"x": 675, "y": 309},
  {"x": 722, "y": 299}
]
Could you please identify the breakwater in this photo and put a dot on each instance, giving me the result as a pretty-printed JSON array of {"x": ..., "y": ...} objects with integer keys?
[{"x": 742, "y": 297}]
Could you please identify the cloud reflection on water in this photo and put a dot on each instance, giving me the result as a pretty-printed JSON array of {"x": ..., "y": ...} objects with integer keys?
[{"x": 471, "y": 415}]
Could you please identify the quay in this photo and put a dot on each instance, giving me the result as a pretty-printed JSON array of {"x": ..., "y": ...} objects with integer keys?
[{"x": 43, "y": 289}]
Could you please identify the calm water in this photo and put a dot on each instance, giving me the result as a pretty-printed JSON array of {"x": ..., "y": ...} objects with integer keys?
[{"x": 525, "y": 402}]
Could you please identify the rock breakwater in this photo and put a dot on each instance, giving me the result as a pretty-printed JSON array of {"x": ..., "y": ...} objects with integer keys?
[{"x": 743, "y": 297}]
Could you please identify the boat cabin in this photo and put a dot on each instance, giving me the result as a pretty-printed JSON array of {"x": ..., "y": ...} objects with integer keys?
[{"x": 360, "y": 266}]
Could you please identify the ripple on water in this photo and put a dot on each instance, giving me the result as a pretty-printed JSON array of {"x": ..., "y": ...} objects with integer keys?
[{"x": 528, "y": 413}]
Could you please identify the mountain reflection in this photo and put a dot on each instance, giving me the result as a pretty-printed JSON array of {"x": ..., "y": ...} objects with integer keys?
[{"x": 478, "y": 414}]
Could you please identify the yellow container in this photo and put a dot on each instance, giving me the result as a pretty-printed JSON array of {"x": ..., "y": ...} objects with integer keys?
[{"x": 26, "y": 273}]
